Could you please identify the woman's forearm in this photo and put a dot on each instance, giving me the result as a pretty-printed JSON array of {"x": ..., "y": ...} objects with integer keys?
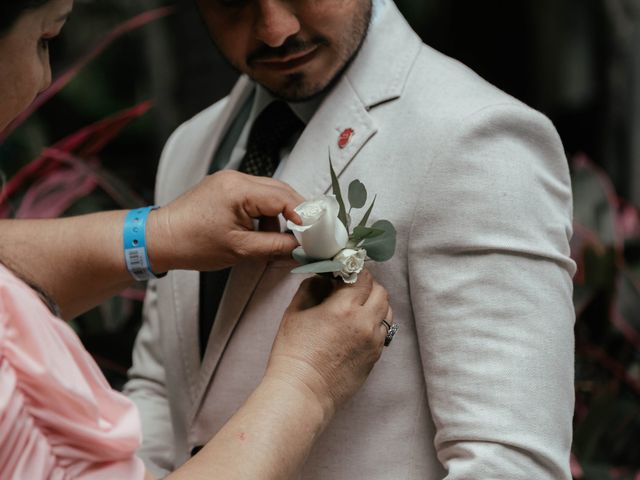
[
  {"x": 78, "y": 261},
  {"x": 269, "y": 438}
]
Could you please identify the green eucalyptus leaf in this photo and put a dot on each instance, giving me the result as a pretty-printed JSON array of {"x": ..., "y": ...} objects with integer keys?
[
  {"x": 342, "y": 214},
  {"x": 382, "y": 247},
  {"x": 300, "y": 256},
  {"x": 363, "y": 233},
  {"x": 326, "y": 266},
  {"x": 365, "y": 219},
  {"x": 357, "y": 194}
]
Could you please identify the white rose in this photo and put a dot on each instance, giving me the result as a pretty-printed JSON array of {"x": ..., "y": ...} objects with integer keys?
[
  {"x": 352, "y": 264},
  {"x": 321, "y": 235}
]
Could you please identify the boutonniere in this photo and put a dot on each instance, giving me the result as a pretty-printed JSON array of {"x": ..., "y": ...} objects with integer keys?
[{"x": 327, "y": 243}]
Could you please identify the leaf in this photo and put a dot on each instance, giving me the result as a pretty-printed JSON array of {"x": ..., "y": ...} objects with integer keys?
[
  {"x": 357, "y": 194},
  {"x": 381, "y": 248},
  {"x": 595, "y": 202},
  {"x": 326, "y": 266},
  {"x": 112, "y": 185},
  {"x": 625, "y": 314},
  {"x": 365, "y": 219},
  {"x": 300, "y": 256},
  {"x": 363, "y": 233},
  {"x": 126, "y": 27},
  {"x": 342, "y": 214},
  {"x": 87, "y": 142},
  {"x": 55, "y": 193},
  {"x": 133, "y": 293}
]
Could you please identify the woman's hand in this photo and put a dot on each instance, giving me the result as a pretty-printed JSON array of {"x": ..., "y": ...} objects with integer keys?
[
  {"x": 330, "y": 338},
  {"x": 212, "y": 226}
]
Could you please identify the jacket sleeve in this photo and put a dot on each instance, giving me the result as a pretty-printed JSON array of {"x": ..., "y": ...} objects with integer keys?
[
  {"x": 147, "y": 389},
  {"x": 491, "y": 288}
]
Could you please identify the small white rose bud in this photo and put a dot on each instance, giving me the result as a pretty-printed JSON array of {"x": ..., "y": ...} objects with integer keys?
[
  {"x": 321, "y": 235},
  {"x": 352, "y": 264}
]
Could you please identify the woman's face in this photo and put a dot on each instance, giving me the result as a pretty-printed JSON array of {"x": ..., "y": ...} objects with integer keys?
[{"x": 24, "y": 57}]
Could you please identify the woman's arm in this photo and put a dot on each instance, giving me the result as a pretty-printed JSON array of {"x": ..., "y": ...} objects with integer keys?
[
  {"x": 79, "y": 261},
  {"x": 320, "y": 358}
]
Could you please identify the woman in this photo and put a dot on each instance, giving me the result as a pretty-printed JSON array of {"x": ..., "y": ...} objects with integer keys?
[{"x": 58, "y": 417}]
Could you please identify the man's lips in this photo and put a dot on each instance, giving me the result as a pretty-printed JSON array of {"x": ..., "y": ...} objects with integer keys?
[{"x": 288, "y": 62}]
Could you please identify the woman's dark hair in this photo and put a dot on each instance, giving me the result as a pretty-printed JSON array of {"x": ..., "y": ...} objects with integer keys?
[{"x": 10, "y": 11}]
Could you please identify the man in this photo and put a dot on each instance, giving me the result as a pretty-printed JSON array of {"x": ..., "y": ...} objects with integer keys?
[{"x": 478, "y": 383}]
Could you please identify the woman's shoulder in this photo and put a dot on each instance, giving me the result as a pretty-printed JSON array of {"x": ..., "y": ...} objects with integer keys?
[
  {"x": 23, "y": 314},
  {"x": 54, "y": 400}
]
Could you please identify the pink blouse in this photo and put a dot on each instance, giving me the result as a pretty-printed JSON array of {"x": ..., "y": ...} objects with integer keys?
[{"x": 59, "y": 419}]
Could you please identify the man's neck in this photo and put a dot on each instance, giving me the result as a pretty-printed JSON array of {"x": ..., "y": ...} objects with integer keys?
[{"x": 304, "y": 110}]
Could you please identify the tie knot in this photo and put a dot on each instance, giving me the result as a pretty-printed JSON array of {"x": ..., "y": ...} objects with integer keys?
[
  {"x": 270, "y": 132},
  {"x": 274, "y": 127}
]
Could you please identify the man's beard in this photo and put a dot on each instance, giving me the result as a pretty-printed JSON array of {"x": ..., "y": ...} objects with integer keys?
[{"x": 298, "y": 87}]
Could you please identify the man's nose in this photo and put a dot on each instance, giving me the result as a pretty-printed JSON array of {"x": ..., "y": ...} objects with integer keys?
[{"x": 276, "y": 22}]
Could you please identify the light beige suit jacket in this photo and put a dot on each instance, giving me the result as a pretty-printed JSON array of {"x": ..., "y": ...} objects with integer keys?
[{"x": 478, "y": 383}]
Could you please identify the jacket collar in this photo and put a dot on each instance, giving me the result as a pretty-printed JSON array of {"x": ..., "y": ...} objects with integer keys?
[{"x": 380, "y": 71}]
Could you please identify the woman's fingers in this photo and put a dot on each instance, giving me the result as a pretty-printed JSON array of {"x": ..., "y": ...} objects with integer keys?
[
  {"x": 264, "y": 244},
  {"x": 312, "y": 292},
  {"x": 377, "y": 303},
  {"x": 271, "y": 201},
  {"x": 387, "y": 322},
  {"x": 358, "y": 292},
  {"x": 378, "y": 309},
  {"x": 271, "y": 182}
]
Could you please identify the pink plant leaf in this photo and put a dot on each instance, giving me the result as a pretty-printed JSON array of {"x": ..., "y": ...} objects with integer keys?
[
  {"x": 576, "y": 470},
  {"x": 87, "y": 142},
  {"x": 582, "y": 240},
  {"x": 626, "y": 217},
  {"x": 133, "y": 293},
  {"x": 90, "y": 140},
  {"x": 126, "y": 27},
  {"x": 114, "y": 187},
  {"x": 625, "y": 309},
  {"x": 613, "y": 366},
  {"x": 629, "y": 219},
  {"x": 54, "y": 194}
]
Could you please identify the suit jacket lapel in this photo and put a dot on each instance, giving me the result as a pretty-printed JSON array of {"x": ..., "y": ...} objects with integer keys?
[
  {"x": 187, "y": 283},
  {"x": 243, "y": 279},
  {"x": 307, "y": 169}
]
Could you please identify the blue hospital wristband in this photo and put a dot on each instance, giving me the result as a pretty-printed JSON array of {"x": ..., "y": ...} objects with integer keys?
[{"x": 135, "y": 244}]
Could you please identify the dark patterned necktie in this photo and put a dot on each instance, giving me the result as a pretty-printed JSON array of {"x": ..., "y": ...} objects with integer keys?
[{"x": 270, "y": 133}]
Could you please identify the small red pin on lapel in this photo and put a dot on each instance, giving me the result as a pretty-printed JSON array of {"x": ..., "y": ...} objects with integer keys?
[{"x": 345, "y": 137}]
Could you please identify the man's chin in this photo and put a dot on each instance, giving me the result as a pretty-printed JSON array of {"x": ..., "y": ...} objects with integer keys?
[{"x": 298, "y": 88}]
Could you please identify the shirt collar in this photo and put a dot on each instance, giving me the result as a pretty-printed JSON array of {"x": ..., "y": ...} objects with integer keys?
[
  {"x": 377, "y": 8},
  {"x": 304, "y": 110}
]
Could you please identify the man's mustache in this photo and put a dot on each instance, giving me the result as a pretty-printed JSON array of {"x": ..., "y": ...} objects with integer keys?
[{"x": 290, "y": 47}]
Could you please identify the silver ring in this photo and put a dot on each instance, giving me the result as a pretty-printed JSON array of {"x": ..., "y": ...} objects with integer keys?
[
  {"x": 387, "y": 325},
  {"x": 392, "y": 333}
]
